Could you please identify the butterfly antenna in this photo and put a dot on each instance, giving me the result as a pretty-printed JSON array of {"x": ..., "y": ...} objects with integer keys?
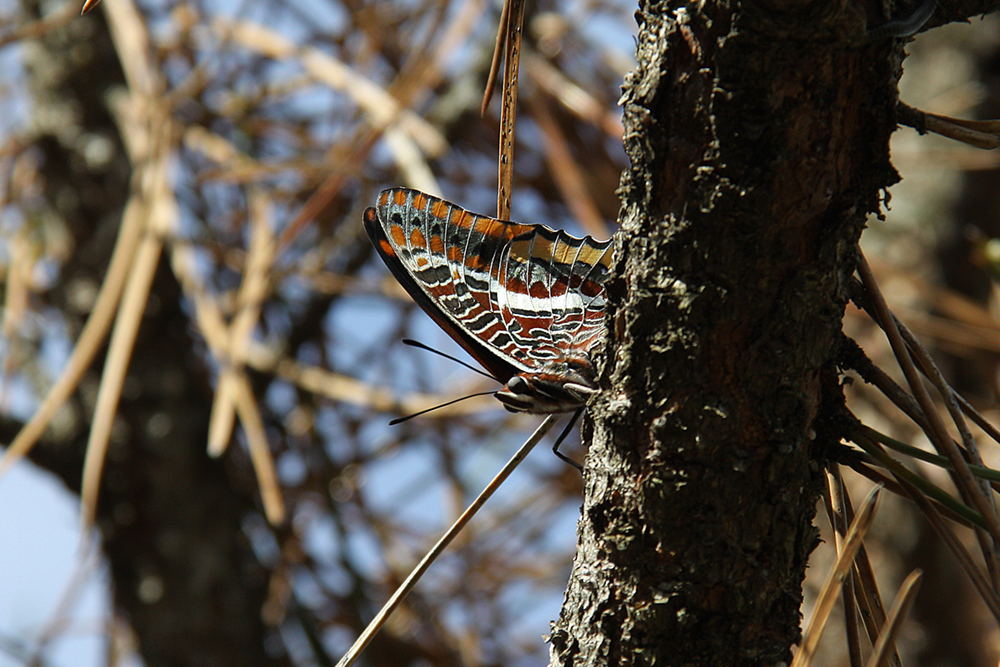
[
  {"x": 416, "y": 343},
  {"x": 400, "y": 420}
]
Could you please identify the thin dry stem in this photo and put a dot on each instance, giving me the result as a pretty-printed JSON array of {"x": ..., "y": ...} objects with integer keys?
[
  {"x": 147, "y": 132},
  {"x": 345, "y": 389},
  {"x": 508, "y": 107},
  {"x": 835, "y": 581},
  {"x": 885, "y": 647},
  {"x": 39, "y": 28},
  {"x": 94, "y": 333},
  {"x": 254, "y": 289},
  {"x": 870, "y": 600},
  {"x": 381, "y": 107},
  {"x": 931, "y": 371},
  {"x": 983, "y": 134},
  {"x": 875, "y": 376},
  {"x": 491, "y": 78},
  {"x": 442, "y": 544},
  {"x": 838, "y": 520},
  {"x": 938, "y": 432},
  {"x": 569, "y": 177},
  {"x": 130, "y": 313},
  {"x": 572, "y": 97},
  {"x": 260, "y": 451},
  {"x": 979, "y": 580}
]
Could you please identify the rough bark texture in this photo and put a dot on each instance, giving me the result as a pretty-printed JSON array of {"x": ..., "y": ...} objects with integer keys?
[
  {"x": 758, "y": 136},
  {"x": 170, "y": 518}
]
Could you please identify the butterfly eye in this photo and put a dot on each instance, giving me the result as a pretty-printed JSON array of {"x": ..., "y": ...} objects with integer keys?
[{"x": 518, "y": 385}]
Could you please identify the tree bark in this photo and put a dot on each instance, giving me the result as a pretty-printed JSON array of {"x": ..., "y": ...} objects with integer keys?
[{"x": 758, "y": 137}]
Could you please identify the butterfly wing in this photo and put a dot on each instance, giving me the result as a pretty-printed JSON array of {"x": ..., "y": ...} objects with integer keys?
[
  {"x": 515, "y": 296},
  {"x": 407, "y": 229},
  {"x": 552, "y": 287}
]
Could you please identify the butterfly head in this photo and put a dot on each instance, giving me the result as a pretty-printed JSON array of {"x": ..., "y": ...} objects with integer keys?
[{"x": 562, "y": 386}]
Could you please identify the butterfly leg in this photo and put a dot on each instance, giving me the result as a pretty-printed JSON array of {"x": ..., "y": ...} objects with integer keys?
[{"x": 562, "y": 436}]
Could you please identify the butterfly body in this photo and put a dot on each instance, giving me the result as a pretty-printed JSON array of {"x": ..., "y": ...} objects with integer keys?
[{"x": 526, "y": 301}]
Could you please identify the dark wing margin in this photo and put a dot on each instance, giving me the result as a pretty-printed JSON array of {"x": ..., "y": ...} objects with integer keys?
[{"x": 497, "y": 367}]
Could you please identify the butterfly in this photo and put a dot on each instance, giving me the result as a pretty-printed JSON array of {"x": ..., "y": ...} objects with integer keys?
[{"x": 526, "y": 301}]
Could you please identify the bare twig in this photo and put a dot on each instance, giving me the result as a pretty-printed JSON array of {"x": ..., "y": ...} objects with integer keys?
[
  {"x": 260, "y": 452},
  {"x": 983, "y": 134},
  {"x": 982, "y": 472},
  {"x": 381, "y": 107},
  {"x": 855, "y": 359},
  {"x": 130, "y": 313},
  {"x": 572, "y": 97}
]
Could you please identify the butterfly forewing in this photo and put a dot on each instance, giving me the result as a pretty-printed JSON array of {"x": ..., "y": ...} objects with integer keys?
[{"x": 518, "y": 297}]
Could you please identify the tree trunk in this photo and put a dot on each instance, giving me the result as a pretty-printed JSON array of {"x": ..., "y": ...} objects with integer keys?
[
  {"x": 758, "y": 136},
  {"x": 170, "y": 518}
]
